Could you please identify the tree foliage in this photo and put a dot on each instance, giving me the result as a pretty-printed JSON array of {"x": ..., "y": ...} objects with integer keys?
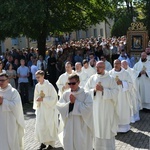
[
  {"x": 138, "y": 9},
  {"x": 123, "y": 13},
  {"x": 121, "y": 26},
  {"x": 39, "y": 18},
  {"x": 143, "y": 8}
]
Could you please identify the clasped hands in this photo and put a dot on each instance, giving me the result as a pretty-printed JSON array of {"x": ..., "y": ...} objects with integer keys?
[
  {"x": 119, "y": 82},
  {"x": 40, "y": 99},
  {"x": 99, "y": 88},
  {"x": 143, "y": 72},
  {"x": 72, "y": 99}
]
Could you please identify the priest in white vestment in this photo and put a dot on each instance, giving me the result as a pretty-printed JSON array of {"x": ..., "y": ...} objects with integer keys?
[
  {"x": 124, "y": 83},
  {"x": 87, "y": 68},
  {"x": 135, "y": 96},
  {"x": 148, "y": 53},
  {"x": 108, "y": 65},
  {"x": 63, "y": 79},
  {"x": 103, "y": 90},
  {"x": 142, "y": 68},
  {"x": 76, "y": 109},
  {"x": 82, "y": 75},
  {"x": 45, "y": 99},
  {"x": 11, "y": 116}
]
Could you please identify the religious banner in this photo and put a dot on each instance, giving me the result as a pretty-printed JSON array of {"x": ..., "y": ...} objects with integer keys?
[{"x": 137, "y": 39}]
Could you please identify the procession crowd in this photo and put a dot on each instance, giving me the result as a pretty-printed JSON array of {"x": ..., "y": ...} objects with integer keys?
[{"x": 87, "y": 90}]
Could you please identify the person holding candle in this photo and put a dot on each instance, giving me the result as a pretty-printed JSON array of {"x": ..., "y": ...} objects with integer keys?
[{"x": 45, "y": 99}]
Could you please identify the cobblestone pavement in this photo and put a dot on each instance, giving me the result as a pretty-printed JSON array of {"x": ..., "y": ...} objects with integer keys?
[{"x": 136, "y": 139}]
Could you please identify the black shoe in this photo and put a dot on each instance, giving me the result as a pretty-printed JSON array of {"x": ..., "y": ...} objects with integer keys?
[
  {"x": 49, "y": 148},
  {"x": 42, "y": 146}
]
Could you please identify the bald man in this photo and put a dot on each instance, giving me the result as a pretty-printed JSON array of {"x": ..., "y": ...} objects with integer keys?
[
  {"x": 135, "y": 97},
  {"x": 142, "y": 68},
  {"x": 82, "y": 75},
  {"x": 124, "y": 83},
  {"x": 103, "y": 90}
]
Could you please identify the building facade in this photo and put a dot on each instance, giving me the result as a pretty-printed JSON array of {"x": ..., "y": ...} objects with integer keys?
[{"x": 102, "y": 29}]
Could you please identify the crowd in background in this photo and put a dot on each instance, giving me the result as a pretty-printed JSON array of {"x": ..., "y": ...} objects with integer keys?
[{"x": 56, "y": 56}]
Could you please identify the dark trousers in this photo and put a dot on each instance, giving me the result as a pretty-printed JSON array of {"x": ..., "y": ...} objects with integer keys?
[
  {"x": 30, "y": 79},
  {"x": 24, "y": 93}
]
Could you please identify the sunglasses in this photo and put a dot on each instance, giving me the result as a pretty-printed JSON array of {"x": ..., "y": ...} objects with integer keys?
[{"x": 72, "y": 83}]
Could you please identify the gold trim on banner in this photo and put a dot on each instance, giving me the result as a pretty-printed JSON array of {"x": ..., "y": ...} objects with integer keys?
[{"x": 137, "y": 26}]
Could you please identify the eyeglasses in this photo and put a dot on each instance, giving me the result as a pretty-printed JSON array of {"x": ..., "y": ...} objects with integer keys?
[
  {"x": 72, "y": 83},
  {"x": 3, "y": 80}
]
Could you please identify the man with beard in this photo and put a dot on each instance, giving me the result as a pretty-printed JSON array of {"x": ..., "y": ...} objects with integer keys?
[
  {"x": 148, "y": 53},
  {"x": 142, "y": 68}
]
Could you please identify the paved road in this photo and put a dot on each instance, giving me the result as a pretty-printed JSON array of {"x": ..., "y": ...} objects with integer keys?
[{"x": 136, "y": 139}]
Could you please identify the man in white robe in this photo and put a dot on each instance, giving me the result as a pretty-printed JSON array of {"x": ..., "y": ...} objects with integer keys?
[
  {"x": 124, "y": 83},
  {"x": 63, "y": 79},
  {"x": 11, "y": 116},
  {"x": 45, "y": 99},
  {"x": 148, "y": 53},
  {"x": 135, "y": 96},
  {"x": 142, "y": 68},
  {"x": 82, "y": 75},
  {"x": 76, "y": 109},
  {"x": 108, "y": 65},
  {"x": 87, "y": 68},
  {"x": 103, "y": 89}
]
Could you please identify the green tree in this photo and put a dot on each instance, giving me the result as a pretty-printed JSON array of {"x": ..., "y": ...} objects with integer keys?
[
  {"x": 121, "y": 26},
  {"x": 143, "y": 9},
  {"x": 123, "y": 14},
  {"x": 39, "y": 18}
]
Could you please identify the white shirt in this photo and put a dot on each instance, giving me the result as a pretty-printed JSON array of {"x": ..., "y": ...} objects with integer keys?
[{"x": 34, "y": 69}]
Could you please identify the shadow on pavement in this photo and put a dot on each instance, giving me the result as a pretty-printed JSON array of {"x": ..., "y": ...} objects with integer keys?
[
  {"x": 134, "y": 138},
  {"x": 144, "y": 123},
  {"x": 137, "y": 140}
]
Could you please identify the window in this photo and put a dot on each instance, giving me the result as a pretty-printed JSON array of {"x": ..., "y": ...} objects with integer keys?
[
  {"x": 101, "y": 32},
  {"x": 95, "y": 32},
  {"x": 87, "y": 33},
  {"x": 79, "y": 34},
  {"x": 33, "y": 41},
  {"x": 14, "y": 41}
]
